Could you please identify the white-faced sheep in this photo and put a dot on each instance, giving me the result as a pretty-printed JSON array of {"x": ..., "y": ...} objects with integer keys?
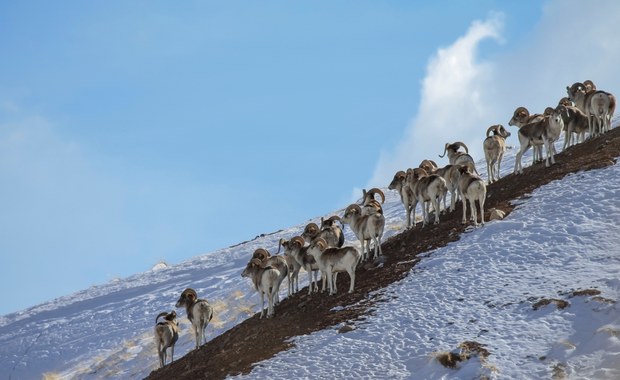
[{"x": 544, "y": 132}]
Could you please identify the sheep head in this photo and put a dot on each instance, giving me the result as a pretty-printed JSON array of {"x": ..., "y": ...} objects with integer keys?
[
  {"x": 589, "y": 85},
  {"x": 167, "y": 316},
  {"x": 187, "y": 298},
  {"x": 398, "y": 179},
  {"x": 329, "y": 221}
]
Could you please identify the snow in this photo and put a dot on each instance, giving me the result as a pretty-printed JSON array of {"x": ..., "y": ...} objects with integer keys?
[{"x": 561, "y": 238}]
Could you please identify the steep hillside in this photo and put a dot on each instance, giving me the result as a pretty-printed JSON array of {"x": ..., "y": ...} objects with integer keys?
[{"x": 239, "y": 349}]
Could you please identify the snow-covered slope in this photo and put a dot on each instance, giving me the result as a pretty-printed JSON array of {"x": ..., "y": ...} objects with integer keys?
[{"x": 565, "y": 237}]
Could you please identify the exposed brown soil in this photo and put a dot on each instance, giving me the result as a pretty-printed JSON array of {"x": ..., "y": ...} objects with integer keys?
[{"x": 237, "y": 350}]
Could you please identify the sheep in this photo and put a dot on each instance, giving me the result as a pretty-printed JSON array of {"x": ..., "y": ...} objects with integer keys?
[
  {"x": 199, "y": 313},
  {"x": 278, "y": 262},
  {"x": 581, "y": 94},
  {"x": 365, "y": 228},
  {"x": 399, "y": 184},
  {"x": 599, "y": 109},
  {"x": 543, "y": 132},
  {"x": 333, "y": 260},
  {"x": 455, "y": 157},
  {"x": 494, "y": 147},
  {"x": 166, "y": 335},
  {"x": 426, "y": 188},
  {"x": 369, "y": 204},
  {"x": 472, "y": 189},
  {"x": 293, "y": 268},
  {"x": 522, "y": 117},
  {"x": 266, "y": 280},
  {"x": 296, "y": 250},
  {"x": 575, "y": 121},
  {"x": 451, "y": 175}
]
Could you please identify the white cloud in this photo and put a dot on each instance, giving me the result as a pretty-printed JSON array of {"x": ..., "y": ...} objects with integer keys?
[
  {"x": 453, "y": 102},
  {"x": 462, "y": 95}
]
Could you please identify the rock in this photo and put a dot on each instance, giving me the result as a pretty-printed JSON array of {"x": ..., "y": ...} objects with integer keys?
[
  {"x": 497, "y": 214},
  {"x": 346, "y": 329}
]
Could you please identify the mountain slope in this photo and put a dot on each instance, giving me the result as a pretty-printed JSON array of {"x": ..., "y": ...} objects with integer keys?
[
  {"x": 106, "y": 331},
  {"x": 239, "y": 349}
]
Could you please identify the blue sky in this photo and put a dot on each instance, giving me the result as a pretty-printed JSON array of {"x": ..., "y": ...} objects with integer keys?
[{"x": 134, "y": 132}]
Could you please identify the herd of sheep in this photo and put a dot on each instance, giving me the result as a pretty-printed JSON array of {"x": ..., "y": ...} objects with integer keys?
[{"x": 321, "y": 249}]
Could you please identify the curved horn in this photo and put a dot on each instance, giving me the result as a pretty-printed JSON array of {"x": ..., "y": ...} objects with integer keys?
[
  {"x": 548, "y": 111},
  {"x": 352, "y": 207},
  {"x": 256, "y": 262},
  {"x": 400, "y": 175},
  {"x": 189, "y": 293},
  {"x": 311, "y": 228},
  {"x": 492, "y": 128},
  {"x": 162, "y": 314},
  {"x": 334, "y": 218},
  {"x": 503, "y": 131},
  {"x": 375, "y": 190},
  {"x": 261, "y": 254},
  {"x": 463, "y": 145},
  {"x": 522, "y": 110},
  {"x": 321, "y": 243},
  {"x": 299, "y": 240},
  {"x": 444, "y": 150},
  {"x": 589, "y": 85},
  {"x": 281, "y": 242}
]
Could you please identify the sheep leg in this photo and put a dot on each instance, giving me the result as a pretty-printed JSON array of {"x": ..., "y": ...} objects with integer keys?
[
  {"x": 270, "y": 301},
  {"x": 352, "y": 278},
  {"x": 464, "y": 201},
  {"x": 335, "y": 276},
  {"x": 161, "y": 355},
  {"x": 330, "y": 279},
  {"x": 481, "y": 202},
  {"x": 474, "y": 212},
  {"x": 262, "y": 306}
]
